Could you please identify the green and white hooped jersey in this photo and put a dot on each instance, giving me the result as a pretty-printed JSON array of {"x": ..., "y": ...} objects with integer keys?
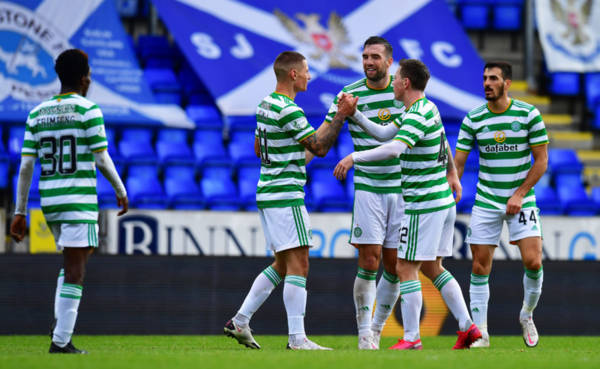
[
  {"x": 380, "y": 107},
  {"x": 63, "y": 133},
  {"x": 281, "y": 125},
  {"x": 425, "y": 188},
  {"x": 504, "y": 141}
]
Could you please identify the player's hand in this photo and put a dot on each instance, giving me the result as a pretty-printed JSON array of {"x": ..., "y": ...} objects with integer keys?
[
  {"x": 18, "y": 227},
  {"x": 124, "y": 204},
  {"x": 342, "y": 168},
  {"x": 347, "y": 104},
  {"x": 513, "y": 206},
  {"x": 455, "y": 185}
]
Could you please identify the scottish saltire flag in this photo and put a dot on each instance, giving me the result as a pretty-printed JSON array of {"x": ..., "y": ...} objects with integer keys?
[
  {"x": 34, "y": 32},
  {"x": 570, "y": 34},
  {"x": 232, "y": 45}
]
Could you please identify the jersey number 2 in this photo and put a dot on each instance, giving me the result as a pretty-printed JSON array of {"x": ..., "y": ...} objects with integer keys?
[{"x": 51, "y": 145}]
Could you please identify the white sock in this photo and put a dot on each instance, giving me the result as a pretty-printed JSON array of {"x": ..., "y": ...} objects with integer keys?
[
  {"x": 532, "y": 285},
  {"x": 261, "y": 289},
  {"x": 294, "y": 299},
  {"x": 59, "y": 283},
  {"x": 364, "y": 298},
  {"x": 454, "y": 299},
  {"x": 68, "y": 304},
  {"x": 479, "y": 294},
  {"x": 411, "y": 304},
  {"x": 388, "y": 290}
]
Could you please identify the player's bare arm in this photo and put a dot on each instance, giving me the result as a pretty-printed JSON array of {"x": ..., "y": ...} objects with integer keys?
[
  {"x": 320, "y": 142},
  {"x": 540, "y": 157},
  {"x": 256, "y": 147},
  {"x": 452, "y": 176},
  {"x": 459, "y": 162}
]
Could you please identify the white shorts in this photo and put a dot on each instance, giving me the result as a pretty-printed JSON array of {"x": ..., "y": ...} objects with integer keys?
[
  {"x": 75, "y": 235},
  {"x": 427, "y": 236},
  {"x": 376, "y": 218},
  {"x": 286, "y": 228},
  {"x": 486, "y": 225}
]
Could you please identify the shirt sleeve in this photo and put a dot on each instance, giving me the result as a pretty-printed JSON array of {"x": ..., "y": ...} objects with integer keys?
[
  {"x": 294, "y": 122},
  {"x": 93, "y": 122},
  {"x": 412, "y": 129},
  {"x": 537, "y": 134},
  {"x": 466, "y": 136},
  {"x": 30, "y": 144}
]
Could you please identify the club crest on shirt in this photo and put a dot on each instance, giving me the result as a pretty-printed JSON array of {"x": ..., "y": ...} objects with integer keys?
[{"x": 515, "y": 126}]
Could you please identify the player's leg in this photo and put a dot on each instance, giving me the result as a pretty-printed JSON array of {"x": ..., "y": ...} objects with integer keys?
[
  {"x": 238, "y": 327},
  {"x": 367, "y": 235},
  {"x": 388, "y": 287},
  {"x": 525, "y": 231},
  {"x": 388, "y": 290},
  {"x": 483, "y": 237},
  {"x": 364, "y": 292},
  {"x": 410, "y": 304}
]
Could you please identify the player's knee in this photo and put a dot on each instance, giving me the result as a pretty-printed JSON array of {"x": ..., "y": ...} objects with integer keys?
[
  {"x": 481, "y": 268},
  {"x": 75, "y": 275},
  {"x": 533, "y": 265}
]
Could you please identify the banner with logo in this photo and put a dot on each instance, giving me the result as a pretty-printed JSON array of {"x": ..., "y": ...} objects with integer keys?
[
  {"x": 214, "y": 233},
  {"x": 570, "y": 34},
  {"x": 35, "y": 32},
  {"x": 232, "y": 46}
]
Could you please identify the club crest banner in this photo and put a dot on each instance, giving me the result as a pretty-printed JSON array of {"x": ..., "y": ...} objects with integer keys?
[
  {"x": 570, "y": 34},
  {"x": 232, "y": 45},
  {"x": 35, "y": 32}
]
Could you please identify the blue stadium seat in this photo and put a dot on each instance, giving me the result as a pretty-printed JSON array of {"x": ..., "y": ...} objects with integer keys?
[
  {"x": 474, "y": 14},
  {"x": 15, "y": 142},
  {"x": 190, "y": 83},
  {"x": 572, "y": 195},
  {"x": 328, "y": 161},
  {"x": 595, "y": 195},
  {"x": 181, "y": 188},
  {"x": 162, "y": 80},
  {"x": 172, "y": 147},
  {"x": 220, "y": 194},
  {"x": 248, "y": 177},
  {"x": 113, "y": 148},
  {"x": 563, "y": 161},
  {"x": 146, "y": 193},
  {"x": 106, "y": 195},
  {"x": 547, "y": 201},
  {"x": 153, "y": 46},
  {"x": 241, "y": 122},
  {"x": 167, "y": 97},
  {"x": 472, "y": 163},
  {"x": 205, "y": 116},
  {"x": 592, "y": 90},
  {"x": 507, "y": 15},
  {"x": 127, "y": 8},
  {"x": 217, "y": 171},
  {"x": 349, "y": 184},
  {"x": 172, "y": 135},
  {"x": 137, "y": 134},
  {"x": 564, "y": 83},
  {"x": 136, "y": 146},
  {"x": 327, "y": 193},
  {"x": 209, "y": 149},
  {"x": 241, "y": 148},
  {"x": 469, "y": 191}
]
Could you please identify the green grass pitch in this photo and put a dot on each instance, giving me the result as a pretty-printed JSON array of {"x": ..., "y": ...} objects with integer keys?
[{"x": 150, "y": 352}]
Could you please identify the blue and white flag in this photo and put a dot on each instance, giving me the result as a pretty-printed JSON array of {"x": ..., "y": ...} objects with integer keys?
[
  {"x": 570, "y": 34},
  {"x": 232, "y": 45},
  {"x": 34, "y": 32}
]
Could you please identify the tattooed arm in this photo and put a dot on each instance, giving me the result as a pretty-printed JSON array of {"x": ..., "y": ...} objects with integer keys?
[{"x": 452, "y": 175}]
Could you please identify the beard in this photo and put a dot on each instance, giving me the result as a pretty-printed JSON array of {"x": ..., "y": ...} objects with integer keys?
[
  {"x": 496, "y": 96},
  {"x": 379, "y": 75}
]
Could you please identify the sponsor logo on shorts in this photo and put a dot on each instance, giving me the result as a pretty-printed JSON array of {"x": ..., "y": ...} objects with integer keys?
[{"x": 357, "y": 232}]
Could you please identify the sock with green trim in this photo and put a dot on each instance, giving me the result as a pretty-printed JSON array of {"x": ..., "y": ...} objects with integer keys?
[
  {"x": 411, "y": 303},
  {"x": 68, "y": 304},
  {"x": 364, "y": 298},
  {"x": 532, "y": 285},
  {"x": 479, "y": 295},
  {"x": 453, "y": 297},
  {"x": 294, "y": 299},
  {"x": 59, "y": 282},
  {"x": 388, "y": 290},
  {"x": 261, "y": 289}
]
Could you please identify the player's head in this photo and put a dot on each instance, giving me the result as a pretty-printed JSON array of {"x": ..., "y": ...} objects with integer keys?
[
  {"x": 497, "y": 77},
  {"x": 412, "y": 74},
  {"x": 292, "y": 66},
  {"x": 377, "y": 58},
  {"x": 73, "y": 70}
]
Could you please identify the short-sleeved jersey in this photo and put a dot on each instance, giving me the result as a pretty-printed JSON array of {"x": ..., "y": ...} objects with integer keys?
[
  {"x": 281, "y": 125},
  {"x": 381, "y": 108},
  {"x": 504, "y": 141},
  {"x": 63, "y": 133},
  {"x": 424, "y": 185}
]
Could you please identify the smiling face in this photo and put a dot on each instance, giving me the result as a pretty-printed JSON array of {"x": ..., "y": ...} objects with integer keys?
[
  {"x": 494, "y": 85},
  {"x": 301, "y": 75},
  {"x": 376, "y": 63},
  {"x": 400, "y": 84}
]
